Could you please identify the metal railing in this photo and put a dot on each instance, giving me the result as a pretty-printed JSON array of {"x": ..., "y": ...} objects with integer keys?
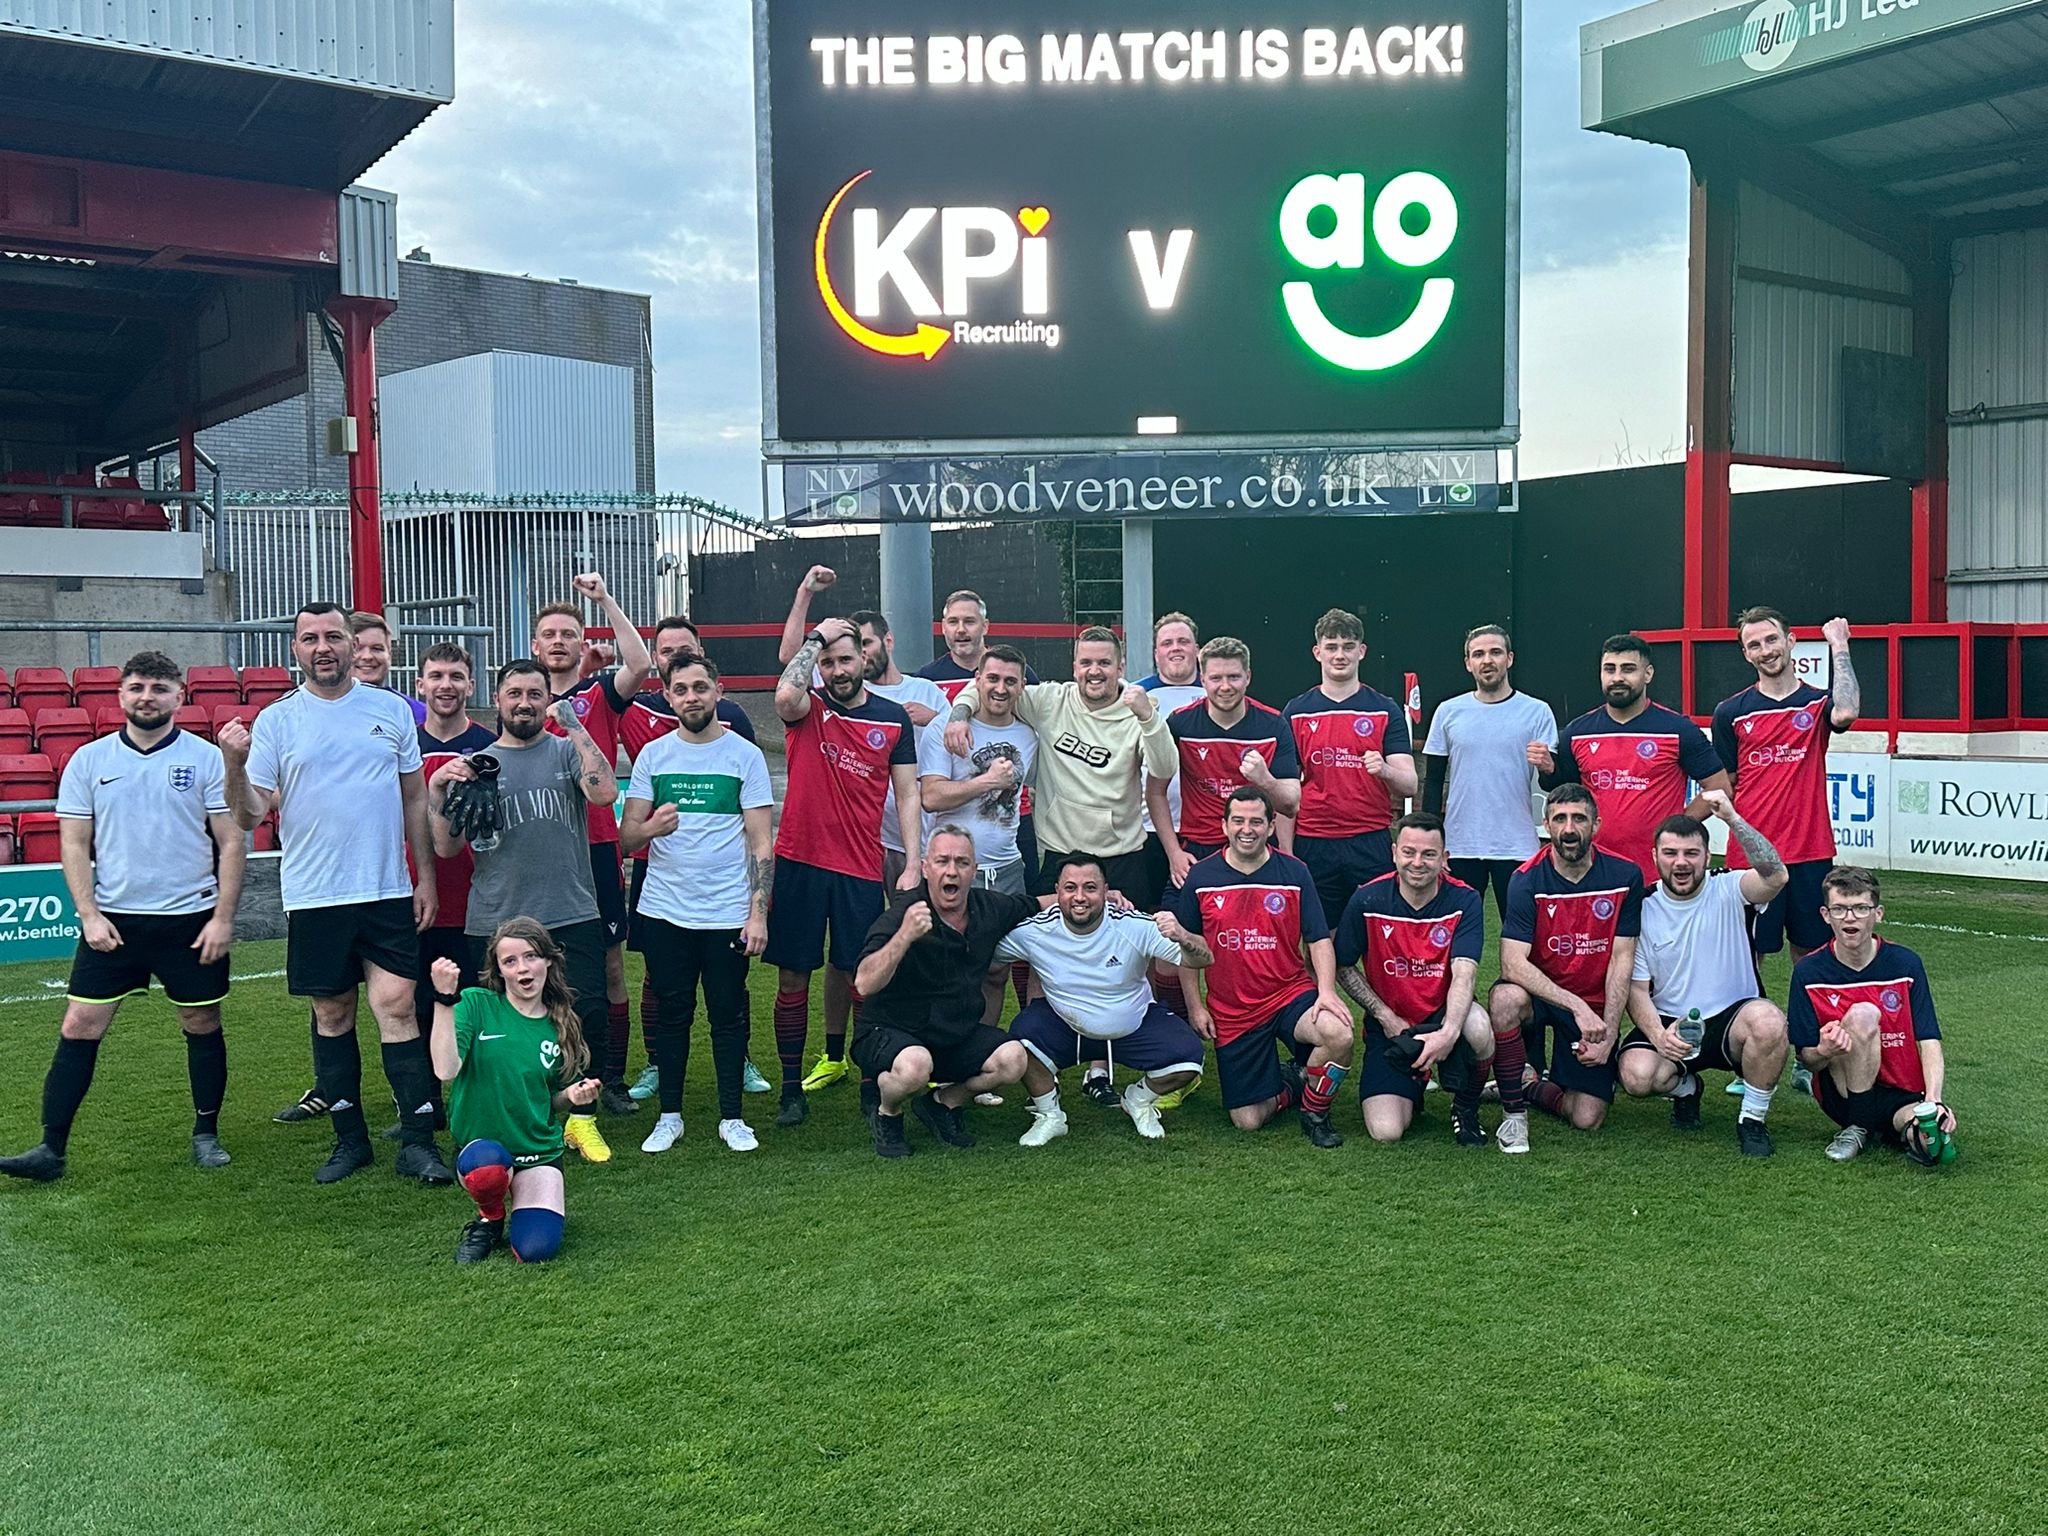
[{"x": 68, "y": 497}]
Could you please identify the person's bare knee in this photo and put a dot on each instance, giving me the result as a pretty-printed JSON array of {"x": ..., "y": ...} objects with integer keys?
[
  {"x": 1479, "y": 1032},
  {"x": 335, "y": 1015},
  {"x": 204, "y": 1020},
  {"x": 1250, "y": 1117},
  {"x": 1387, "y": 1117},
  {"x": 88, "y": 1021},
  {"x": 390, "y": 999},
  {"x": 1585, "y": 1112},
  {"x": 1508, "y": 1007}
]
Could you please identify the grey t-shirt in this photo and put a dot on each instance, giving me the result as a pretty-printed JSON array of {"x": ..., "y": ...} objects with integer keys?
[
  {"x": 540, "y": 867},
  {"x": 1488, "y": 812}
]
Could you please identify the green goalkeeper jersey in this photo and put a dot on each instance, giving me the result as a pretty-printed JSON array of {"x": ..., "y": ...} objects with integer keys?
[{"x": 511, "y": 1070}]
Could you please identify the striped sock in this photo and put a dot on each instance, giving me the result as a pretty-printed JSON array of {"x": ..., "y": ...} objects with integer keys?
[
  {"x": 618, "y": 1038},
  {"x": 1548, "y": 1097},
  {"x": 1509, "y": 1058},
  {"x": 792, "y": 1024},
  {"x": 1318, "y": 1088},
  {"x": 1166, "y": 987}
]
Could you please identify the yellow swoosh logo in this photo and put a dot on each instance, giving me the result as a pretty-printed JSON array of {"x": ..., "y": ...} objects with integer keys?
[{"x": 925, "y": 340}]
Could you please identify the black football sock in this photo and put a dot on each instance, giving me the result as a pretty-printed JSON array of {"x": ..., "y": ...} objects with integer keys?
[
  {"x": 338, "y": 1078},
  {"x": 412, "y": 1082},
  {"x": 206, "y": 1064},
  {"x": 65, "y": 1087}
]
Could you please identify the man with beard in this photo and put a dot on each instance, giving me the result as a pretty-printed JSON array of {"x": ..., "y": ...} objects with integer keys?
[
  {"x": 921, "y": 700},
  {"x": 445, "y": 732},
  {"x": 1258, "y": 912},
  {"x": 1482, "y": 754},
  {"x": 648, "y": 718},
  {"x": 1567, "y": 956},
  {"x": 701, "y": 806},
  {"x": 372, "y": 663},
  {"x": 529, "y": 859},
  {"x": 980, "y": 791},
  {"x": 1773, "y": 739},
  {"x": 1408, "y": 950},
  {"x": 1091, "y": 960},
  {"x": 1097, "y": 739},
  {"x": 847, "y": 748},
  {"x": 1357, "y": 766},
  {"x": 340, "y": 763},
  {"x": 1224, "y": 742},
  {"x": 1695, "y": 995},
  {"x": 1635, "y": 756},
  {"x": 143, "y": 816},
  {"x": 920, "y": 974},
  {"x": 600, "y": 701}
]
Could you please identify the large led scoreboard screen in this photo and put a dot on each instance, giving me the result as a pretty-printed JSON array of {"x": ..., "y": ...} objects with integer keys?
[{"x": 1064, "y": 221}]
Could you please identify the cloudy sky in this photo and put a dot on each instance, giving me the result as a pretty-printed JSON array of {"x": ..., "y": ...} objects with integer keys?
[{"x": 612, "y": 141}]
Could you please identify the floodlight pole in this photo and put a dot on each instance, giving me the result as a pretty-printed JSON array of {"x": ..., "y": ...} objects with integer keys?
[
  {"x": 1138, "y": 610},
  {"x": 907, "y": 590}
]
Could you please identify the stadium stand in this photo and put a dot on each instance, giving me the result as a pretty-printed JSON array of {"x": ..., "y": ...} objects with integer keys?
[
  {"x": 61, "y": 732},
  {"x": 36, "y": 837},
  {"x": 17, "y": 736},
  {"x": 27, "y": 776}
]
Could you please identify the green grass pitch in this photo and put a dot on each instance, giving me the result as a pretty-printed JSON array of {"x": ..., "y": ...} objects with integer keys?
[{"x": 1627, "y": 1332}]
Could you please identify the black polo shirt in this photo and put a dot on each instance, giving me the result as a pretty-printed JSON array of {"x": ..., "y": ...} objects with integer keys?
[{"x": 935, "y": 995}]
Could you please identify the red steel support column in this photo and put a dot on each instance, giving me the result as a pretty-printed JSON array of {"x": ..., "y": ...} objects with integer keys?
[
  {"x": 359, "y": 319},
  {"x": 1930, "y": 496},
  {"x": 1709, "y": 402},
  {"x": 185, "y": 516}
]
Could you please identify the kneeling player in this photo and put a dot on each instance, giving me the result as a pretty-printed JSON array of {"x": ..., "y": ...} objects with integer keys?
[
  {"x": 512, "y": 1054},
  {"x": 1408, "y": 947},
  {"x": 1257, "y": 909},
  {"x": 1090, "y": 960},
  {"x": 1567, "y": 952},
  {"x": 1862, "y": 1018},
  {"x": 1694, "y": 990}
]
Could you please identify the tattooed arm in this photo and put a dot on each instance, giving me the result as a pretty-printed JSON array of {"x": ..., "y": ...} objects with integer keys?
[
  {"x": 1766, "y": 875},
  {"x": 596, "y": 778},
  {"x": 1847, "y": 702},
  {"x": 756, "y": 823}
]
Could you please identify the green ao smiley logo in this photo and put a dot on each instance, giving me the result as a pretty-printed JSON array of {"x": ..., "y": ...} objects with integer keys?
[{"x": 1344, "y": 246}]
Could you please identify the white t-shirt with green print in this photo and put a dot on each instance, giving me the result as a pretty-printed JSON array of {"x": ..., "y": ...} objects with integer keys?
[{"x": 697, "y": 875}]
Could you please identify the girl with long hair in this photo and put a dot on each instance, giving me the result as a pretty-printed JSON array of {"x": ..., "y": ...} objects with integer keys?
[{"x": 513, "y": 1056}]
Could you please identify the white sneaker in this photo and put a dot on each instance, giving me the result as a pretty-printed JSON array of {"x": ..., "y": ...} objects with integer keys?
[
  {"x": 1513, "y": 1133},
  {"x": 1849, "y": 1142},
  {"x": 738, "y": 1135},
  {"x": 992, "y": 1100},
  {"x": 1044, "y": 1127},
  {"x": 668, "y": 1130},
  {"x": 1142, "y": 1105}
]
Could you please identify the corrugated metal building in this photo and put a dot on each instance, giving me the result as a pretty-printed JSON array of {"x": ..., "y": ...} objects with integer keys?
[{"x": 509, "y": 424}]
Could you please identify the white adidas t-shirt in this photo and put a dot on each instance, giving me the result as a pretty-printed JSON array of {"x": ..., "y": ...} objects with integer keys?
[
  {"x": 152, "y": 850},
  {"x": 335, "y": 765},
  {"x": 697, "y": 875},
  {"x": 1696, "y": 953},
  {"x": 1098, "y": 982}
]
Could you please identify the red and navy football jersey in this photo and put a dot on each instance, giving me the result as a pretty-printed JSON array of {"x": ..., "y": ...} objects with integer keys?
[
  {"x": 1637, "y": 770},
  {"x": 1257, "y": 925},
  {"x": 1406, "y": 951},
  {"x": 952, "y": 677},
  {"x": 451, "y": 876},
  {"x": 1777, "y": 752},
  {"x": 598, "y": 705},
  {"x": 1571, "y": 928},
  {"x": 1895, "y": 983},
  {"x": 1339, "y": 798},
  {"x": 839, "y": 771},
  {"x": 1209, "y": 758}
]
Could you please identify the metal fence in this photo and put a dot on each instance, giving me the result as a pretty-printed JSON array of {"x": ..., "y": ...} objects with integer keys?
[{"x": 461, "y": 560}]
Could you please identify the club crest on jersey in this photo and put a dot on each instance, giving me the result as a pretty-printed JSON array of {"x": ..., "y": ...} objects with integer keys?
[
  {"x": 1804, "y": 720},
  {"x": 1891, "y": 999},
  {"x": 876, "y": 736},
  {"x": 1603, "y": 908},
  {"x": 1646, "y": 749},
  {"x": 581, "y": 704},
  {"x": 183, "y": 777},
  {"x": 1275, "y": 902},
  {"x": 1440, "y": 935},
  {"x": 1364, "y": 725},
  {"x": 550, "y": 1053}
]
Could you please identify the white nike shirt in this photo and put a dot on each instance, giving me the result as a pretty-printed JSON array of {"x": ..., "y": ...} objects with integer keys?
[
  {"x": 152, "y": 849},
  {"x": 1696, "y": 953},
  {"x": 1098, "y": 982}
]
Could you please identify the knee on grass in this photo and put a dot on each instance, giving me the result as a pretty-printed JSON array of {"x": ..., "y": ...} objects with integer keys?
[
  {"x": 485, "y": 1169},
  {"x": 534, "y": 1234}
]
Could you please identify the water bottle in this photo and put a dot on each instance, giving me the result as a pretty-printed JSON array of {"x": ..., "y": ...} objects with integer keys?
[{"x": 1692, "y": 1029}]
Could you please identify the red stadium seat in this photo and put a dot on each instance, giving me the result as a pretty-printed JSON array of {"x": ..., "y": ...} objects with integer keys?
[
  {"x": 145, "y": 517},
  {"x": 17, "y": 736},
  {"x": 61, "y": 732},
  {"x": 27, "y": 776},
  {"x": 196, "y": 719},
  {"x": 221, "y": 714},
  {"x": 94, "y": 686},
  {"x": 38, "y": 837},
  {"x": 212, "y": 685},
  {"x": 6, "y": 690},
  {"x": 7, "y": 840},
  {"x": 265, "y": 685},
  {"x": 40, "y": 687},
  {"x": 107, "y": 719}
]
